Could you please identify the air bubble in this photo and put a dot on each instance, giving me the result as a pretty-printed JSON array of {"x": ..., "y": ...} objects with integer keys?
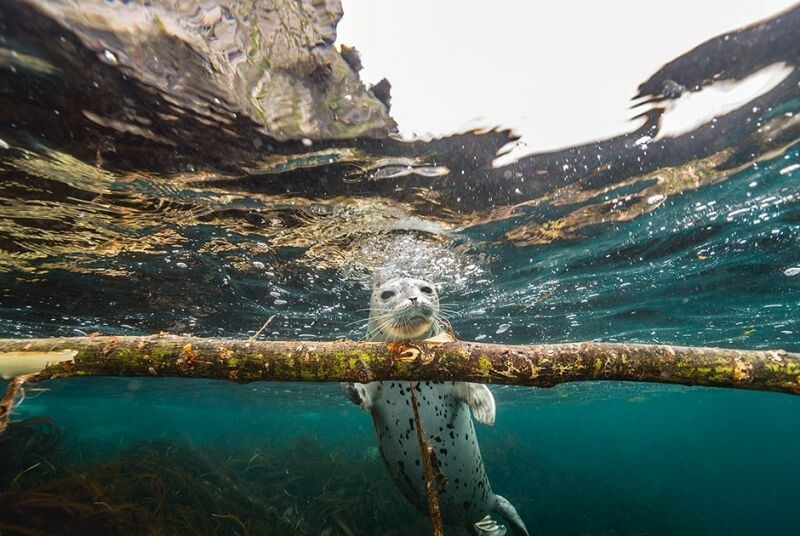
[{"x": 109, "y": 57}]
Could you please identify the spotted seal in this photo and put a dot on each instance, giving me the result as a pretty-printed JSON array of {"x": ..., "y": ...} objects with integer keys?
[{"x": 408, "y": 309}]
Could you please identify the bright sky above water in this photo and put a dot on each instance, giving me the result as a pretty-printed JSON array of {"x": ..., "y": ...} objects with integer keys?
[{"x": 559, "y": 73}]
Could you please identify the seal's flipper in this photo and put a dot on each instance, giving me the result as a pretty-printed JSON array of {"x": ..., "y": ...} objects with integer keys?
[
  {"x": 509, "y": 514},
  {"x": 480, "y": 399},
  {"x": 358, "y": 394},
  {"x": 487, "y": 527}
]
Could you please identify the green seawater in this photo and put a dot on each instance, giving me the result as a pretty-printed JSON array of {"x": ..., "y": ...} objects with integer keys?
[{"x": 578, "y": 459}]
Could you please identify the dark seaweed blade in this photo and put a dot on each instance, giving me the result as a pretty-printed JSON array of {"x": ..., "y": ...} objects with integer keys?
[{"x": 164, "y": 487}]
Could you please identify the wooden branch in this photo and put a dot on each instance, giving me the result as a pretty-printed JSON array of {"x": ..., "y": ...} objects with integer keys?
[{"x": 542, "y": 365}]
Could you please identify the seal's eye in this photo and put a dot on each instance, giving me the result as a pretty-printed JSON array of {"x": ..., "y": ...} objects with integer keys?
[
  {"x": 427, "y": 290},
  {"x": 386, "y": 294}
]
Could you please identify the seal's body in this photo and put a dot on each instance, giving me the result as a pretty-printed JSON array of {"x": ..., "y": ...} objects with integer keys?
[{"x": 406, "y": 309}]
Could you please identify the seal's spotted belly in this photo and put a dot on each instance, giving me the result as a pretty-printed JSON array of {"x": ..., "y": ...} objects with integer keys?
[{"x": 448, "y": 429}]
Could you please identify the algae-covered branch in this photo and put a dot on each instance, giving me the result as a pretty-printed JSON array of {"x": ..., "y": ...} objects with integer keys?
[
  {"x": 541, "y": 365},
  {"x": 538, "y": 365}
]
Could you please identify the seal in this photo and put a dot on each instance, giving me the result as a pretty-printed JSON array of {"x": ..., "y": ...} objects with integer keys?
[{"x": 406, "y": 309}]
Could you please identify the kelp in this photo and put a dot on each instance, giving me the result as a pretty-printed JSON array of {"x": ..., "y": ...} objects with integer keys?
[
  {"x": 319, "y": 490},
  {"x": 166, "y": 487},
  {"x": 153, "y": 487}
]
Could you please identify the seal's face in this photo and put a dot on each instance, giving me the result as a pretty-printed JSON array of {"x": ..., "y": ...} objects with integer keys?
[{"x": 403, "y": 309}]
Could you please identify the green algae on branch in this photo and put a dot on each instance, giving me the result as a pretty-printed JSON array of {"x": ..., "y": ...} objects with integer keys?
[{"x": 539, "y": 365}]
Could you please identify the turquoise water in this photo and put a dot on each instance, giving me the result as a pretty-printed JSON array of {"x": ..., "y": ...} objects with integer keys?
[
  {"x": 693, "y": 240},
  {"x": 577, "y": 459}
]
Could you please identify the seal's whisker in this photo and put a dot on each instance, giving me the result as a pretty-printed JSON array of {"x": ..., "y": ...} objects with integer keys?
[
  {"x": 380, "y": 327},
  {"x": 379, "y": 318},
  {"x": 382, "y": 322},
  {"x": 392, "y": 337},
  {"x": 374, "y": 331}
]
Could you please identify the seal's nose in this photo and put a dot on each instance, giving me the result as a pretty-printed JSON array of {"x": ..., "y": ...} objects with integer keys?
[{"x": 413, "y": 300}]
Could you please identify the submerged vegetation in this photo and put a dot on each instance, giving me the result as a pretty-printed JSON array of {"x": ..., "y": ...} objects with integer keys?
[{"x": 164, "y": 487}]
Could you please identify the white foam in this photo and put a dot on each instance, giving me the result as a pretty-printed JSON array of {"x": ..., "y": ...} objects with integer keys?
[{"x": 693, "y": 109}]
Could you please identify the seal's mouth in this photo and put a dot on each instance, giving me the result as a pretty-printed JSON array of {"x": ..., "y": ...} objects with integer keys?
[
  {"x": 414, "y": 320},
  {"x": 406, "y": 319},
  {"x": 411, "y": 324}
]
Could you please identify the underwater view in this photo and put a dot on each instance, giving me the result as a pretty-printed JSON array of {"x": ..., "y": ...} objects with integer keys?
[{"x": 222, "y": 170}]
